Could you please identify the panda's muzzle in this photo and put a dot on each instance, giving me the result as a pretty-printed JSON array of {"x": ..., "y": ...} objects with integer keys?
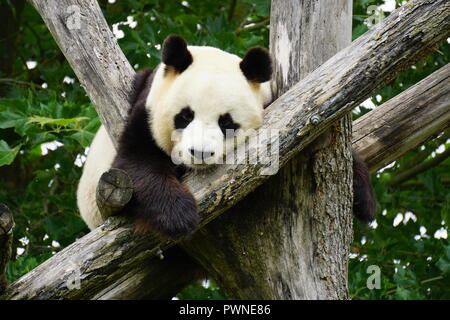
[{"x": 201, "y": 155}]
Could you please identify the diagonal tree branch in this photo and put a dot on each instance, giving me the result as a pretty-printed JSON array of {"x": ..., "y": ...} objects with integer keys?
[
  {"x": 404, "y": 122},
  {"x": 112, "y": 250}
]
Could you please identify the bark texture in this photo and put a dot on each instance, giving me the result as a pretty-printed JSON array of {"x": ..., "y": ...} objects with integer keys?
[
  {"x": 114, "y": 191},
  {"x": 6, "y": 236}
]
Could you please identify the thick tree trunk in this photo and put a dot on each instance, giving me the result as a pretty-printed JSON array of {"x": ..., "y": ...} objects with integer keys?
[
  {"x": 289, "y": 239},
  {"x": 111, "y": 251}
]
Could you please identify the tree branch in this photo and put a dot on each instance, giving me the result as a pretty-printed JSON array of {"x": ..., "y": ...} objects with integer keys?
[
  {"x": 404, "y": 122},
  {"x": 108, "y": 253},
  {"x": 418, "y": 185},
  {"x": 414, "y": 171},
  {"x": 254, "y": 26},
  {"x": 231, "y": 9}
]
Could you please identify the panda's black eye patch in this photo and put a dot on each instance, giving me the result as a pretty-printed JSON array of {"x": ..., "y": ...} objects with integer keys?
[
  {"x": 227, "y": 122},
  {"x": 183, "y": 118}
]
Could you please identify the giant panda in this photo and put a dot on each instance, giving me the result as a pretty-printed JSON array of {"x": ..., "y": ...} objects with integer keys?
[{"x": 181, "y": 112}]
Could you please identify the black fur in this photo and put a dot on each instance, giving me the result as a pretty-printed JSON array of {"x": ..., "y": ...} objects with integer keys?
[
  {"x": 175, "y": 53},
  {"x": 364, "y": 203},
  {"x": 141, "y": 87},
  {"x": 160, "y": 202},
  {"x": 183, "y": 118},
  {"x": 226, "y": 122},
  {"x": 257, "y": 65}
]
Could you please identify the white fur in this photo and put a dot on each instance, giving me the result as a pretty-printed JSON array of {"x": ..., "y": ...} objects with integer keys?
[
  {"x": 99, "y": 159},
  {"x": 199, "y": 136},
  {"x": 211, "y": 86}
]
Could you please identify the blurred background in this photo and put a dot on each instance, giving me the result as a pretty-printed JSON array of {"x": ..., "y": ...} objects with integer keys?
[{"x": 47, "y": 123}]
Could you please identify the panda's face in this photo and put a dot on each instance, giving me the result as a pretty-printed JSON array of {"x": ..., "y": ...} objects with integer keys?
[
  {"x": 207, "y": 113},
  {"x": 201, "y": 106}
]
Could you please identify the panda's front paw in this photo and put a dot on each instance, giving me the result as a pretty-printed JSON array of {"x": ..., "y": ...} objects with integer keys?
[
  {"x": 172, "y": 215},
  {"x": 179, "y": 217}
]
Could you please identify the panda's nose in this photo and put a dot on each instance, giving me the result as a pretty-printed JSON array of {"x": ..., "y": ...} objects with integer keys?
[{"x": 202, "y": 155}]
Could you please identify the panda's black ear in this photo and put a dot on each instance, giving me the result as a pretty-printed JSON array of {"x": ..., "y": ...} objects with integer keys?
[
  {"x": 257, "y": 65},
  {"x": 175, "y": 53}
]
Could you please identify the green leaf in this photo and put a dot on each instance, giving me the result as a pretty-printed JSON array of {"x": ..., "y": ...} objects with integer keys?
[
  {"x": 7, "y": 155},
  {"x": 406, "y": 294},
  {"x": 10, "y": 119},
  {"x": 58, "y": 122},
  {"x": 83, "y": 137},
  {"x": 23, "y": 265},
  {"x": 444, "y": 262},
  {"x": 39, "y": 138},
  {"x": 262, "y": 7}
]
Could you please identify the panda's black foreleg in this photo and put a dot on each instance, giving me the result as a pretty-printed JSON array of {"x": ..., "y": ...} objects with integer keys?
[
  {"x": 160, "y": 202},
  {"x": 364, "y": 203}
]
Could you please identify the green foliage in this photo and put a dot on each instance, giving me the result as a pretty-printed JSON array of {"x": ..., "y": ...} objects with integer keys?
[
  {"x": 209, "y": 23},
  {"x": 412, "y": 261},
  {"x": 40, "y": 183},
  {"x": 202, "y": 290},
  {"x": 7, "y": 154},
  {"x": 42, "y": 108}
]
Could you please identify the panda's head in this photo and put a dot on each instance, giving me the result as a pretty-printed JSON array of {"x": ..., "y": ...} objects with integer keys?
[{"x": 203, "y": 98}]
